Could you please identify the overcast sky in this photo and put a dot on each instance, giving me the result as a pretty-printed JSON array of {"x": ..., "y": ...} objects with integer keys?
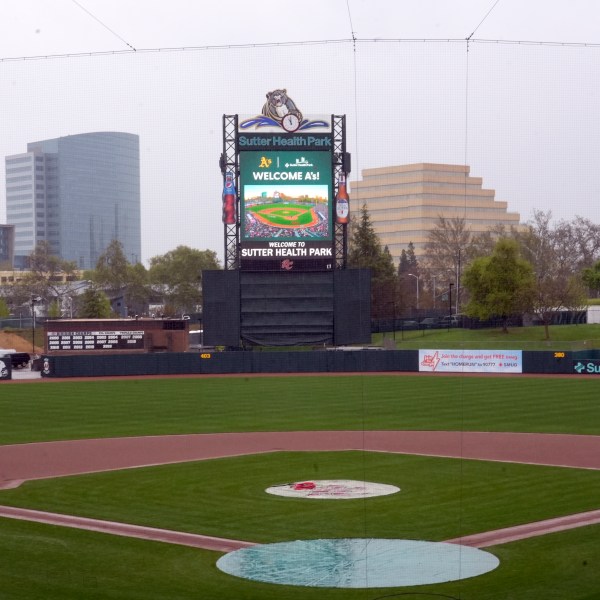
[{"x": 524, "y": 116}]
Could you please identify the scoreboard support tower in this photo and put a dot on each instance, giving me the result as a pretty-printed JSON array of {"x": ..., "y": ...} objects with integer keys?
[{"x": 229, "y": 161}]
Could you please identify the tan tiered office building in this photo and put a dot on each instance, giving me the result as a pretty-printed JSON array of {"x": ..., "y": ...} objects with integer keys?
[{"x": 405, "y": 203}]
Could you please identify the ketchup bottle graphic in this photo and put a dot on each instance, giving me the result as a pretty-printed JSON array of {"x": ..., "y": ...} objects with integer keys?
[
  {"x": 342, "y": 204},
  {"x": 229, "y": 199}
]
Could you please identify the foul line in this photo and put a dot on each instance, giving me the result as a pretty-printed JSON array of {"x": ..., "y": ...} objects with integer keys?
[{"x": 207, "y": 542}]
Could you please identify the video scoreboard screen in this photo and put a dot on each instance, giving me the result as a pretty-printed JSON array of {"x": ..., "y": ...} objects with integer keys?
[
  {"x": 286, "y": 193},
  {"x": 286, "y": 206}
]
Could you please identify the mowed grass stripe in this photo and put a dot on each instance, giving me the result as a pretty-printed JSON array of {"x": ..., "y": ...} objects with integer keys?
[
  {"x": 440, "y": 498},
  {"x": 73, "y": 410},
  {"x": 52, "y": 563}
]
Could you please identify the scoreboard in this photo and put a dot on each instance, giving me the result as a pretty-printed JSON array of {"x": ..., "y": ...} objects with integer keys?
[{"x": 95, "y": 340}]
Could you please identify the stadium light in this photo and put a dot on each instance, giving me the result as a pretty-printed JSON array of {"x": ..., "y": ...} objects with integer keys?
[{"x": 417, "y": 278}]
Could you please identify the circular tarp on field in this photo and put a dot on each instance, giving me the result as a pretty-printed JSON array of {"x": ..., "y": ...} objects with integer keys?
[{"x": 357, "y": 563}]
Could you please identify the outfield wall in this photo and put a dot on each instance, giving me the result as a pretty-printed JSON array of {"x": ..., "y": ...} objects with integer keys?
[{"x": 237, "y": 362}]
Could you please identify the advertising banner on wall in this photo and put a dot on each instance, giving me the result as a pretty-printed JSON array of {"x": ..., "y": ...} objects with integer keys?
[
  {"x": 471, "y": 361},
  {"x": 589, "y": 366}
]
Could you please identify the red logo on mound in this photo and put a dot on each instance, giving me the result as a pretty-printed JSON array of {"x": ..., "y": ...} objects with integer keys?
[{"x": 305, "y": 485}]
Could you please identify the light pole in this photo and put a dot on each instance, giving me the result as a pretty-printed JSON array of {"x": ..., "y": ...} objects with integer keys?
[
  {"x": 458, "y": 269},
  {"x": 417, "y": 278},
  {"x": 454, "y": 273},
  {"x": 33, "y": 300},
  {"x": 433, "y": 278}
]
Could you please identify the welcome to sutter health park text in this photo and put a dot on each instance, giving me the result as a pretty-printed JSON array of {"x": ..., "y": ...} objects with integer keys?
[{"x": 286, "y": 249}]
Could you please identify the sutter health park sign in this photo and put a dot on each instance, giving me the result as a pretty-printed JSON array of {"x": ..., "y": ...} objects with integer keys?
[
  {"x": 587, "y": 367},
  {"x": 284, "y": 142}
]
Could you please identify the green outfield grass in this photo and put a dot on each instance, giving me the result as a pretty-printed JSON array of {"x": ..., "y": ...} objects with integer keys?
[
  {"x": 55, "y": 410},
  {"x": 439, "y": 498}
]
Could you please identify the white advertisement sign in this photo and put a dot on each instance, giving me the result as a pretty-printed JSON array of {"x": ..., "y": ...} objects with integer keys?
[{"x": 471, "y": 361}]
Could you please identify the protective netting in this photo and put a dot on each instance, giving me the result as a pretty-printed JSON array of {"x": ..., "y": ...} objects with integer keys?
[{"x": 522, "y": 116}]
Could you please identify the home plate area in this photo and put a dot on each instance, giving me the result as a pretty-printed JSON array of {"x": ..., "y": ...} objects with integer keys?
[
  {"x": 357, "y": 563},
  {"x": 353, "y": 562}
]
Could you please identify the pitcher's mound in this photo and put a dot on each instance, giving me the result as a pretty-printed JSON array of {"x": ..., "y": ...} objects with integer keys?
[{"x": 332, "y": 489}]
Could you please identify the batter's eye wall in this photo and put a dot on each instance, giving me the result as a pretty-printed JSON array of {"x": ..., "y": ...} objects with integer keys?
[
  {"x": 287, "y": 308},
  {"x": 352, "y": 306},
  {"x": 221, "y": 308}
]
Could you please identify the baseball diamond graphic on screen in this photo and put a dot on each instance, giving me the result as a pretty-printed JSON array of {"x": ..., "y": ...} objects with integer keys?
[
  {"x": 286, "y": 212},
  {"x": 286, "y": 196}
]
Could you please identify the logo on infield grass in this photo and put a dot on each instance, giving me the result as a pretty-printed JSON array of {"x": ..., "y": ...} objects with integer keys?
[{"x": 332, "y": 489}]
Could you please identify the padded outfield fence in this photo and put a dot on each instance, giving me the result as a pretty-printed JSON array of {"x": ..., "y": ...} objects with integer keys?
[{"x": 239, "y": 362}]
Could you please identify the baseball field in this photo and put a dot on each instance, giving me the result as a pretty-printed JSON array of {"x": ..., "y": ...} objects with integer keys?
[
  {"x": 508, "y": 464},
  {"x": 280, "y": 214}
]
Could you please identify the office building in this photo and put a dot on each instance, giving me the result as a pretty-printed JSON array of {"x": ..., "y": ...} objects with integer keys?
[
  {"x": 7, "y": 244},
  {"x": 405, "y": 203},
  {"x": 78, "y": 193}
]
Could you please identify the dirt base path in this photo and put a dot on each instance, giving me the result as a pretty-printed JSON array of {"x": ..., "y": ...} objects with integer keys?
[
  {"x": 22, "y": 462},
  {"x": 42, "y": 460}
]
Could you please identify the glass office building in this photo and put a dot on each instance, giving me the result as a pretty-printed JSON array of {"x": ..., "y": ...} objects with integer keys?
[
  {"x": 7, "y": 244},
  {"x": 78, "y": 193}
]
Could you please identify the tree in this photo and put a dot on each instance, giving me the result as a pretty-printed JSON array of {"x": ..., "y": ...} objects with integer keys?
[
  {"x": 483, "y": 243},
  {"x": 502, "y": 284},
  {"x": 4, "y": 312},
  {"x": 579, "y": 240},
  {"x": 403, "y": 266},
  {"x": 116, "y": 276},
  {"x": 138, "y": 291},
  {"x": 49, "y": 278},
  {"x": 178, "y": 275},
  {"x": 94, "y": 304},
  {"x": 112, "y": 267},
  {"x": 447, "y": 250},
  {"x": 54, "y": 311},
  {"x": 407, "y": 292},
  {"x": 558, "y": 281},
  {"x": 591, "y": 277},
  {"x": 365, "y": 252},
  {"x": 411, "y": 259}
]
